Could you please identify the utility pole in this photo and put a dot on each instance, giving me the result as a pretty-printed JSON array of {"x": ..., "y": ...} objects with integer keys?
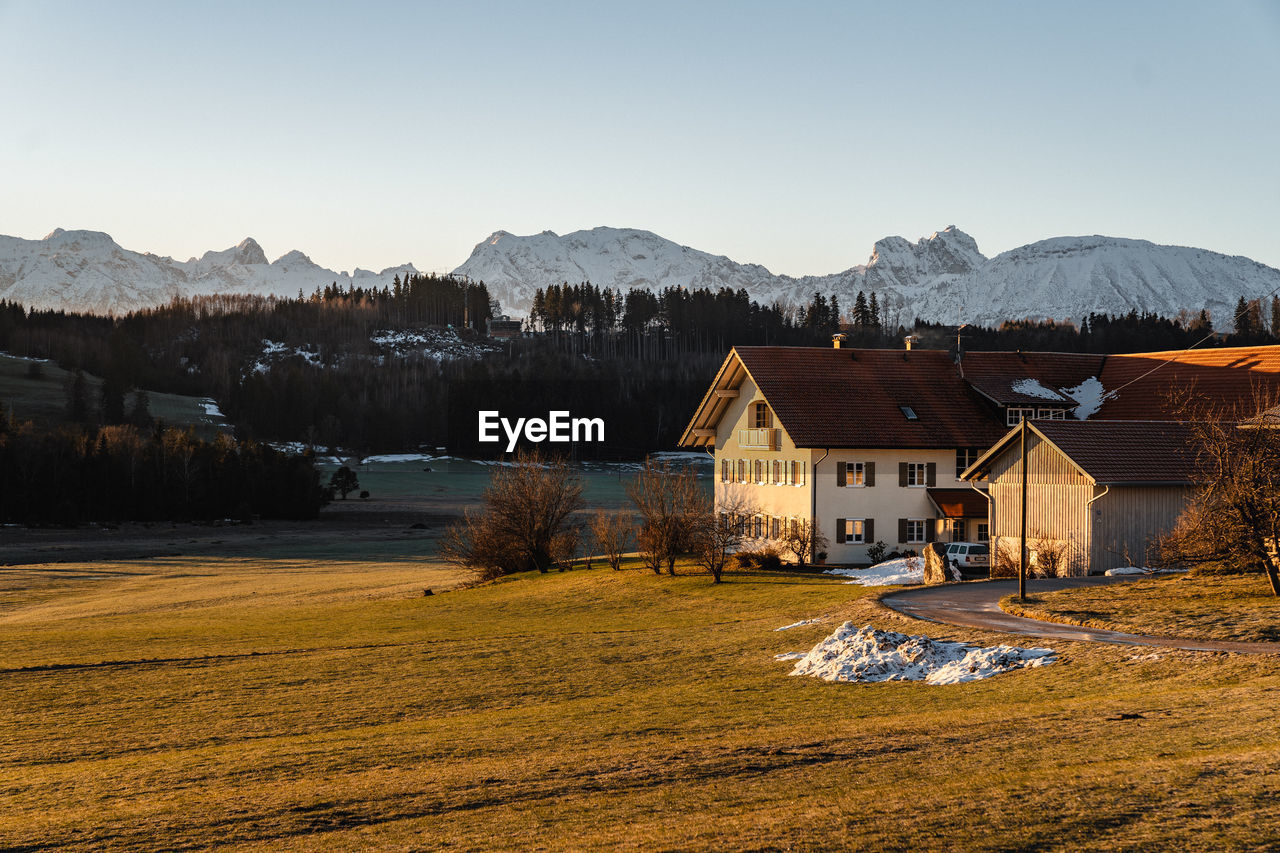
[{"x": 1022, "y": 541}]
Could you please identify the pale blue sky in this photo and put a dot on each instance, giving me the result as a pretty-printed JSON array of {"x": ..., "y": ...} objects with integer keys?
[{"x": 792, "y": 135}]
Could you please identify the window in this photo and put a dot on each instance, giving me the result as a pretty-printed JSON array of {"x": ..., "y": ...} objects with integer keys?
[
  {"x": 1015, "y": 416},
  {"x": 779, "y": 474},
  {"x": 1052, "y": 414},
  {"x": 984, "y": 532},
  {"x": 915, "y": 530},
  {"x": 796, "y": 473},
  {"x": 855, "y": 474},
  {"x": 757, "y": 471},
  {"x": 917, "y": 474},
  {"x": 855, "y": 531},
  {"x": 955, "y": 529},
  {"x": 964, "y": 458},
  {"x": 742, "y": 471},
  {"x": 909, "y": 413},
  {"x": 757, "y": 527},
  {"x": 726, "y": 471},
  {"x": 761, "y": 417},
  {"x": 775, "y": 528}
]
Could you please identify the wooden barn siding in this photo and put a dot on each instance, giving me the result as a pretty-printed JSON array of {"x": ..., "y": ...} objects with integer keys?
[
  {"x": 1130, "y": 518},
  {"x": 1056, "y": 497}
]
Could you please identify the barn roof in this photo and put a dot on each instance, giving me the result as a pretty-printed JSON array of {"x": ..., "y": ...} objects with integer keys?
[
  {"x": 1111, "y": 452},
  {"x": 1231, "y": 380},
  {"x": 1029, "y": 378}
]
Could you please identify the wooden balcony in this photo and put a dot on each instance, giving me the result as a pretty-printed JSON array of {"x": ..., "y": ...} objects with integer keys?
[{"x": 760, "y": 439}]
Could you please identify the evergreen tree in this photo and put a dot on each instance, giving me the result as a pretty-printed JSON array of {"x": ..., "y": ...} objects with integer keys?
[
  {"x": 874, "y": 308},
  {"x": 861, "y": 312}
]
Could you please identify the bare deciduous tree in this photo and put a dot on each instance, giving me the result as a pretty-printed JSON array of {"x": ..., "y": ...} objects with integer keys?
[
  {"x": 1233, "y": 520},
  {"x": 664, "y": 497},
  {"x": 714, "y": 530},
  {"x": 525, "y": 522},
  {"x": 612, "y": 532}
]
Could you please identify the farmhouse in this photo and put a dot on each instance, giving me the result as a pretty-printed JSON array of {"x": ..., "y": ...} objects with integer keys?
[
  {"x": 872, "y": 445},
  {"x": 1098, "y": 492}
]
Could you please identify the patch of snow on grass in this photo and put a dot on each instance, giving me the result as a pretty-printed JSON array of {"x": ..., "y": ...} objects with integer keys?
[
  {"x": 902, "y": 571},
  {"x": 398, "y": 457},
  {"x": 1089, "y": 396},
  {"x": 866, "y": 655},
  {"x": 783, "y": 656},
  {"x": 1033, "y": 388},
  {"x": 799, "y": 624},
  {"x": 211, "y": 408},
  {"x": 1137, "y": 570}
]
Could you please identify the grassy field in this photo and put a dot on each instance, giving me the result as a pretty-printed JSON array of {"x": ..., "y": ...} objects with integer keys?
[
  {"x": 1221, "y": 607},
  {"x": 297, "y": 705},
  {"x": 43, "y": 397}
]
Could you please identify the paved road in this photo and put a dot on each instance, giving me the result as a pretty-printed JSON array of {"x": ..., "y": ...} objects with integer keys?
[{"x": 976, "y": 605}]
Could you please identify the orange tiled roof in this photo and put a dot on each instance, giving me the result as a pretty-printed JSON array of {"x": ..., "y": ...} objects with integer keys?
[{"x": 1232, "y": 380}]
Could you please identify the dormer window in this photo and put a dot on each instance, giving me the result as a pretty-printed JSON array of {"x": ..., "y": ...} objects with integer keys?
[
  {"x": 1015, "y": 416},
  {"x": 761, "y": 417}
]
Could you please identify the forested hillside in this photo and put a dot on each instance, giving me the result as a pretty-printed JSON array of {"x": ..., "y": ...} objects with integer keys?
[{"x": 381, "y": 369}]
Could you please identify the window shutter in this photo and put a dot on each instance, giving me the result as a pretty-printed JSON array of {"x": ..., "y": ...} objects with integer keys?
[
  {"x": 869, "y": 530},
  {"x": 840, "y": 475},
  {"x": 902, "y": 530},
  {"x": 930, "y": 529},
  {"x": 931, "y": 472},
  {"x": 840, "y": 529},
  {"x": 902, "y": 477},
  {"x": 870, "y": 469}
]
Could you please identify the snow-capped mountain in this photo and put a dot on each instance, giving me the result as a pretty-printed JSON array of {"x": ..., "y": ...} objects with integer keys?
[
  {"x": 88, "y": 271},
  {"x": 942, "y": 277}
]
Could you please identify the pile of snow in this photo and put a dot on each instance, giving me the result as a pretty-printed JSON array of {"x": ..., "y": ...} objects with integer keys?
[
  {"x": 1089, "y": 396},
  {"x": 866, "y": 654},
  {"x": 1137, "y": 570},
  {"x": 1033, "y": 388},
  {"x": 211, "y": 408},
  {"x": 799, "y": 624},
  {"x": 904, "y": 570}
]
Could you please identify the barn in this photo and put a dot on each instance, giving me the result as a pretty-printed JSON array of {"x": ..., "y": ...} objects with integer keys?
[{"x": 1098, "y": 492}]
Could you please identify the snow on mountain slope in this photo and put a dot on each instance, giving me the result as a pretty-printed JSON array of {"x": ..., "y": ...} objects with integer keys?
[
  {"x": 89, "y": 271},
  {"x": 943, "y": 277}
]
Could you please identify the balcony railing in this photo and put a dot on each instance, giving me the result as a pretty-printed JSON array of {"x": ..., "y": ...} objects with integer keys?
[{"x": 759, "y": 439}]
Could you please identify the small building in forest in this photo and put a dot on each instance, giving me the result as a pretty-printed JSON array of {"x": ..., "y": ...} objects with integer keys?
[{"x": 1099, "y": 493}]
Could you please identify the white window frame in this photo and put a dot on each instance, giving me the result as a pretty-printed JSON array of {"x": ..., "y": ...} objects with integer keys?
[
  {"x": 758, "y": 409},
  {"x": 1052, "y": 414},
  {"x": 914, "y": 524},
  {"x": 855, "y": 475},
  {"x": 726, "y": 470},
  {"x": 965, "y": 457},
  {"x": 919, "y": 472},
  {"x": 1015, "y": 415},
  {"x": 983, "y": 533},
  {"x": 855, "y": 531},
  {"x": 952, "y": 529}
]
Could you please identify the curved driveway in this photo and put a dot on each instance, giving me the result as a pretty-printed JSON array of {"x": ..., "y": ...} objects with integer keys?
[{"x": 976, "y": 605}]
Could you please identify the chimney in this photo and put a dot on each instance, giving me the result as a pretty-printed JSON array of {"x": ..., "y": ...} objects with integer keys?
[
  {"x": 911, "y": 340},
  {"x": 838, "y": 339}
]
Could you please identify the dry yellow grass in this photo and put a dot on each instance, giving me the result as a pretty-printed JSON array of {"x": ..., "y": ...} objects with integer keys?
[
  {"x": 1199, "y": 607},
  {"x": 586, "y": 710}
]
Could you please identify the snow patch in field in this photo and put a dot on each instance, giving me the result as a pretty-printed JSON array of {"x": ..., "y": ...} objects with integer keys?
[
  {"x": 399, "y": 457},
  {"x": 1138, "y": 570},
  {"x": 211, "y": 408},
  {"x": 1089, "y": 396},
  {"x": 799, "y": 624},
  {"x": 902, "y": 571},
  {"x": 866, "y": 655},
  {"x": 1033, "y": 388},
  {"x": 783, "y": 656}
]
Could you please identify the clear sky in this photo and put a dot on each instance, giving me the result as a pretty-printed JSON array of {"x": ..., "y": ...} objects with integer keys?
[{"x": 788, "y": 134}]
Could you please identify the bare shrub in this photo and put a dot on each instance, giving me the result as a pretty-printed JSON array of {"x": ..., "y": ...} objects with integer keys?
[
  {"x": 1053, "y": 557},
  {"x": 803, "y": 539},
  {"x": 1004, "y": 561},
  {"x": 525, "y": 523},
  {"x": 666, "y": 499}
]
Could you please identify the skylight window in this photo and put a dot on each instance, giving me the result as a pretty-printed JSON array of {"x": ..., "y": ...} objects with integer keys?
[{"x": 909, "y": 413}]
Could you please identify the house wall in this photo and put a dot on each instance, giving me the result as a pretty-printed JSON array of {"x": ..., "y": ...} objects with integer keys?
[
  {"x": 1057, "y": 496},
  {"x": 1127, "y": 521},
  {"x": 771, "y": 500},
  {"x": 885, "y": 502}
]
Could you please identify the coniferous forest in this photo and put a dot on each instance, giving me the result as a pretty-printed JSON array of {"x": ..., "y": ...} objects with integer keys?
[{"x": 326, "y": 368}]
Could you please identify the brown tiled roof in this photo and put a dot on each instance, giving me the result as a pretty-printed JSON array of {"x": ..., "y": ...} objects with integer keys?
[
  {"x": 853, "y": 397},
  {"x": 959, "y": 503},
  {"x": 997, "y": 374},
  {"x": 1113, "y": 452},
  {"x": 1228, "y": 379}
]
